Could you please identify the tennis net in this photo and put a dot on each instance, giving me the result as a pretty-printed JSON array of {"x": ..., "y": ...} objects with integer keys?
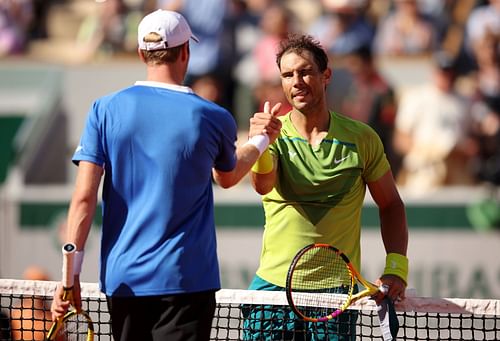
[{"x": 263, "y": 315}]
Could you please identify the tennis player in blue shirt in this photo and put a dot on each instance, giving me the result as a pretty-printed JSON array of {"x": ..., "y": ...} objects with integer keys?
[{"x": 159, "y": 146}]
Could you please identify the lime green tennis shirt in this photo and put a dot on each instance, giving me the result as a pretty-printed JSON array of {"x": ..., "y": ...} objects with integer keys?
[{"x": 319, "y": 192}]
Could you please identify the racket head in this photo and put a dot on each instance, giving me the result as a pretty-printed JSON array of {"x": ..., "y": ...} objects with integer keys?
[
  {"x": 74, "y": 325},
  {"x": 320, "y": 283}
]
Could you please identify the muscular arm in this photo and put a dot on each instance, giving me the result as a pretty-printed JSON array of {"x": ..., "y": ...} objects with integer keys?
[
  {"x": 393, "y": 227},
  {"x": 264, "y": 183},
  {"x": 80, "y": 216},
  {"x": 392, "y": 214},
  {"x": 246, "y": 155},
  {"x": 83, "y": 203}
]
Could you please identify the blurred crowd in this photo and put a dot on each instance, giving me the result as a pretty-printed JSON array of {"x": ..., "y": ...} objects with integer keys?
[{"x": 445, "y": 132}]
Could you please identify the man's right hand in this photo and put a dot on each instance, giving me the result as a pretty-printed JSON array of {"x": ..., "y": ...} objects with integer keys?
[
  {"x": 59, "y": 307},
  {"x": 266, "y": 122}
]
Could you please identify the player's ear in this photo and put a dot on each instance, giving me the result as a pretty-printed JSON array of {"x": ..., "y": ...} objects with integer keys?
[
  {"x": 185, "y": 51},
  {"x": 141, "y": 55},
  {"x": 327, "y": 75}
]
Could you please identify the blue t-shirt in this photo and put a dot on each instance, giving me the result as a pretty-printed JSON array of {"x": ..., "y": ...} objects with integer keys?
[{"x": 158, "y": 144}]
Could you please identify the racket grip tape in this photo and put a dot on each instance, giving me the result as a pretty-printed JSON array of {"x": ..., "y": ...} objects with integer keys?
[
  {"x": 384, "y": 289},
  {"x": 389, "y": 323},
  {"x": 68, "y": 251}
]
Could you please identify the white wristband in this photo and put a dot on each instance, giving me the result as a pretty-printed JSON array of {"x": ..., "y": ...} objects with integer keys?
[
  {"x": 78, "y": 260},
  {"x": 260, "y": 142}
]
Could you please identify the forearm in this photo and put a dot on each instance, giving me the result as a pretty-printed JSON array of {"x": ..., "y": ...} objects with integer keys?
[
  {"x": 246, "y": 155},
  {"x": 394, "y": 228},
  {"x": 83, "y": 203},
  {"x": 80, "y": 218},
  {"x": 264, "y": 173}
]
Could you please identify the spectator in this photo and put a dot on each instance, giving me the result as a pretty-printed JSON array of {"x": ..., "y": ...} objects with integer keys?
[
  {"x": 481, "y": 20},
  {"x": 207, "y": 19},
  {"x": 343, "y": 28},
  {"x": 276, "y": 23},
  {"x": 15, "y": 19},
  {"x": 38, "y": 27},
  {"x": 32, "y": 317},
  {"x": 108, "y": 31},
  {"x": 371, "y": 99},
  {"x": 433, "y": 132},
  {"x": 405, "y": 31},
  {"x": 246, "y": 16},
  {"x": 486, "y": 110},
  {"x": 207, "y": 87}
]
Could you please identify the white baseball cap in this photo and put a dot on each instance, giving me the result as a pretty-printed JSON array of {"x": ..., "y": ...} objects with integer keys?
[{"x": 171, "y": 26}]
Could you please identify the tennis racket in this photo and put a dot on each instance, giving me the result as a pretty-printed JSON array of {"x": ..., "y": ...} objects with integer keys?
[
  {"x": 75, "y": 324},
  {"x": 321, "y": 283}
]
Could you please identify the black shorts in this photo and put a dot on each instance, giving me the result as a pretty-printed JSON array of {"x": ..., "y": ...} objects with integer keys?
[{"x": 183, "y": 317}]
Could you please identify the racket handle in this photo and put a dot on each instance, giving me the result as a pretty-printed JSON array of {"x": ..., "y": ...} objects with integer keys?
[
  {"x": 389, "y": 323},
  {"x": 384, "y": 289},
  {"x": 68, "y": 251}
]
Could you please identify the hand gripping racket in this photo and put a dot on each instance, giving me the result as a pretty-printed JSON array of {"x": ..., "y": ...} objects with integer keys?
[
  {"x": 320, "y": 286},
  {"x": 75, "y": 324}
]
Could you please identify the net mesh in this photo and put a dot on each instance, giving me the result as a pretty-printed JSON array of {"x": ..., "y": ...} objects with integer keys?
[{"x": 252, "y": 315}]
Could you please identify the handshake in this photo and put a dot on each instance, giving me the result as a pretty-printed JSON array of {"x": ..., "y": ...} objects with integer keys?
[{"x": 264, "y": 127}]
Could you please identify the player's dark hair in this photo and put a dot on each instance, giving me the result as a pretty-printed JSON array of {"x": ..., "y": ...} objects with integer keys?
[
  {"x": 300, "y": 43},
  {"x": 164, "y": 56}
]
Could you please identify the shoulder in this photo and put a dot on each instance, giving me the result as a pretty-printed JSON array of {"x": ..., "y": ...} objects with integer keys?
[
  {"x": 211, "y": 110},
  {"x": 114, "y": 97},
  {"x": 352, "y": 126},
  {"x": 355, "y": 132},
  {"x": 213, "y": 115}
]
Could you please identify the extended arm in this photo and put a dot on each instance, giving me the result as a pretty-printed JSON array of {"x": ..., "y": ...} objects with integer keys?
[{"x": 247, "y": 154}]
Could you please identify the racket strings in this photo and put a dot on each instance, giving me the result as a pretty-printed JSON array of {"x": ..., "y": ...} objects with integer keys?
[
  {"x": 74, "y": 327},
  {"x": 321, "y": 282}
]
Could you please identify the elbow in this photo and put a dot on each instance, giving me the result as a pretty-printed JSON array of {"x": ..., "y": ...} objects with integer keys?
[
  {"x": 262, "y": 190},
  {"x": 225, "y": 181},
  {"x": 263, "y": 184},
  {"x": 225, "y": 184}
]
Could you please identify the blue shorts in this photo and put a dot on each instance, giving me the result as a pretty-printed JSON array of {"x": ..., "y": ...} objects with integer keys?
[{"x": 280, "y": 322}]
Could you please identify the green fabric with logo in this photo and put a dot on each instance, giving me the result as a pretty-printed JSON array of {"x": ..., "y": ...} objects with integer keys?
[{"x": 319, "y": 192}]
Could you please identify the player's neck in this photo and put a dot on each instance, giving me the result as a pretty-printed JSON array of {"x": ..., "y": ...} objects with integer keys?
[
  {"x": 312, "y": 127},
  {"x": 165, "y": 74}
]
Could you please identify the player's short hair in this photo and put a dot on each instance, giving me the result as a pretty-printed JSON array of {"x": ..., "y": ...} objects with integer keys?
[
  {"x": 300, "y": 43},
  {"x": 163, "y": 56}
]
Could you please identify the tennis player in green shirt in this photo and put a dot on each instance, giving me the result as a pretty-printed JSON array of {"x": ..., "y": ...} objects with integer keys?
[{"x": 313, "y": 179}]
